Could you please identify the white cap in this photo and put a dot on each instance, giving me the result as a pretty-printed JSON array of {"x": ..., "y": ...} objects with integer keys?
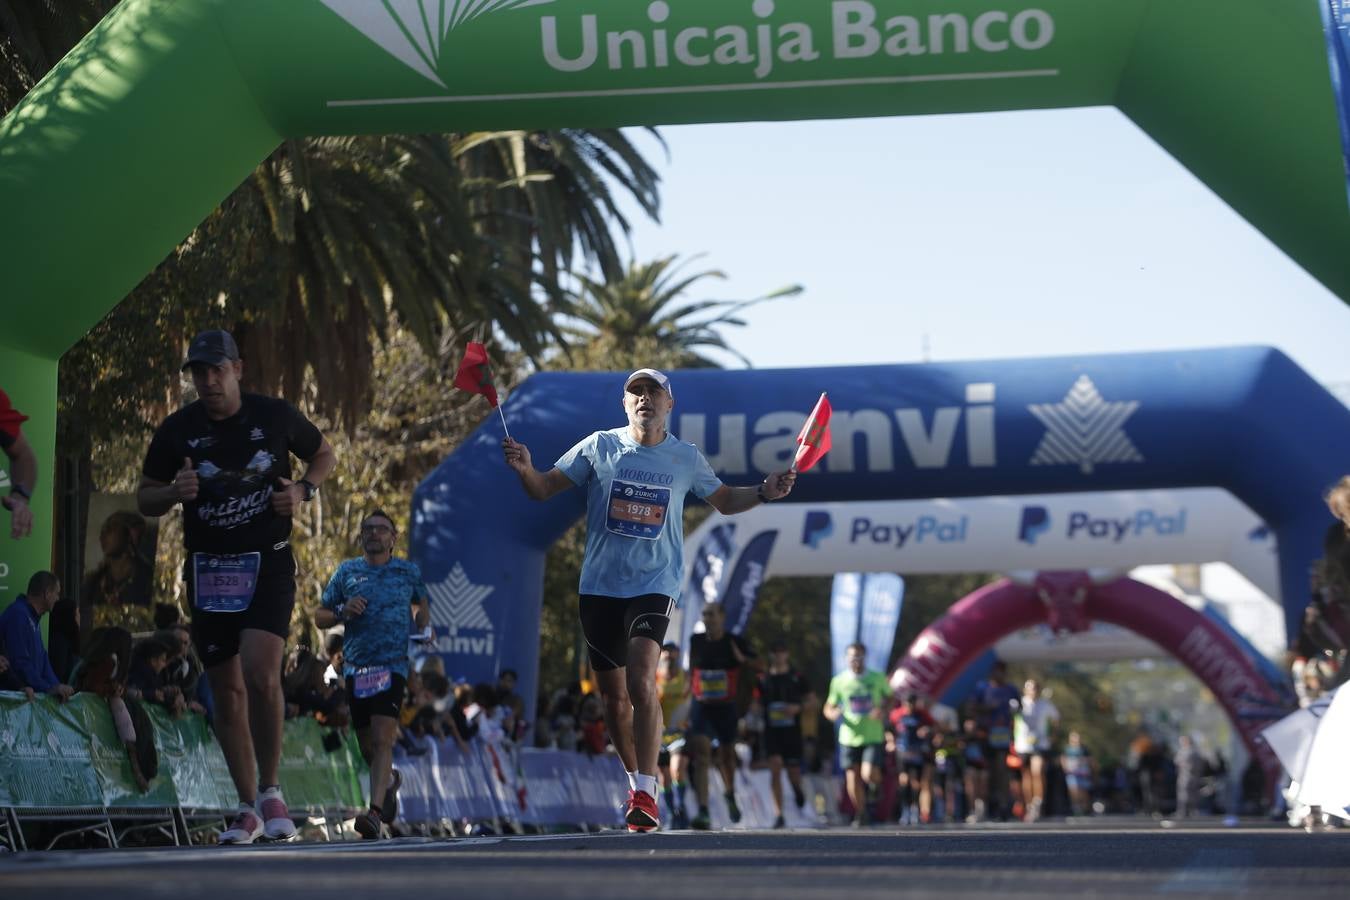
[{"x": 661, "y": 380}]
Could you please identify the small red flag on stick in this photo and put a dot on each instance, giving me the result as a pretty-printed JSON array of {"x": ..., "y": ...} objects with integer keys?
[
  {"x": 814, "y": 440},
  {"x": 475, "y": 376}
]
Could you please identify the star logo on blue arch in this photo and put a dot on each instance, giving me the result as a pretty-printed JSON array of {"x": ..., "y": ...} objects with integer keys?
[{"x": 1084, "y": 429}]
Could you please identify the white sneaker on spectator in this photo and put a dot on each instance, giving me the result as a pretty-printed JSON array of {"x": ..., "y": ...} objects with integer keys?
[
  {"x": 277, "y": 824},
  {"x": 245, "y": 828}
]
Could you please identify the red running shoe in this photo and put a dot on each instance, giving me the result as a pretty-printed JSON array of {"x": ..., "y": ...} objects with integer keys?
[{"x": 642, "y": 814}]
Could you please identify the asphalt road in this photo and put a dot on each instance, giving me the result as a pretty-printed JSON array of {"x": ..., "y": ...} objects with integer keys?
[{"x": 1095, "y": 860}]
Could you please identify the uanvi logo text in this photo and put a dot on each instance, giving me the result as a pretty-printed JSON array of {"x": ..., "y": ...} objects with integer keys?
[
  {"x": 928, "y": 437},
  {"x": 857, "y": 30}
]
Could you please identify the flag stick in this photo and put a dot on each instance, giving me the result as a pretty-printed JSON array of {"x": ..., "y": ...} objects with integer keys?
[{"x": 504, "y": 428}]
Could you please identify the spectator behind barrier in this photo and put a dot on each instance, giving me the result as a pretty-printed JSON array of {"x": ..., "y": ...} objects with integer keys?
[
  {"x": 594, "y": 738},
  {"x": 487, "y": 714},
  {"x": 21, "y": 639},
  {"x": 513, "y": 703},
  {"x": 145, "y": 682},
  {"x": 63, "y": 638},
  {"x": 184, "y": 671},
  {"x": 307, "y": 695},
  {"x": 104, "y": 672},
  {"x": 332, "y": 651}
]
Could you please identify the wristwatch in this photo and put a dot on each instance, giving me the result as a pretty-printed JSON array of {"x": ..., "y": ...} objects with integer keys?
[
  {"x": 310, "y": 488},
  {"x": 16, "y": 488},
  {"x": 759, "y": 492}
]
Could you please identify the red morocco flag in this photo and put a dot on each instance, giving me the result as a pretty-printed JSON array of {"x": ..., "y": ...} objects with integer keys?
[
  {"x": 814, "y": 441},
  {"x": 473, "y": 375}
]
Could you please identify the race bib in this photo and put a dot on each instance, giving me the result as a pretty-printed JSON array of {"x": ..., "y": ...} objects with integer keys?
[
  {"x": 780, "y": 716},
  {"x": 637, "y": 510},
  {"x": 860, "y": 704},
  {"x": 224, "y": 583},
  {"x": 1000, "y": 736},
  {"x": 713, "y": 684},
  {"x": 372, "y": 680}
]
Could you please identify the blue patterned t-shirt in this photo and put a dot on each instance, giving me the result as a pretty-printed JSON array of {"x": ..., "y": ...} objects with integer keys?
[{"x": 379, "y": 636}]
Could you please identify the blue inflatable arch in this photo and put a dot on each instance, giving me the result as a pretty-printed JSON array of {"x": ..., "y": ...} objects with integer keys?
[{"x": 1245, "y": 419}]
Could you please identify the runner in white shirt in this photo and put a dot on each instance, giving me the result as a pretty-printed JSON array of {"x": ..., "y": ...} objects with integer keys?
[{"x": 1032, "y": 740}]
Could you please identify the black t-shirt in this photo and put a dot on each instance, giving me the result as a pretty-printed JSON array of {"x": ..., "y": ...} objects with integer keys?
[
  {"x": 776, "y": 692},
  {"x": 714, "y": 671},
  {"x": 238, "y": 461}
]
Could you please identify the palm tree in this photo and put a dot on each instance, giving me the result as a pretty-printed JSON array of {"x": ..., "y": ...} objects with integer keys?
[
  {"x": 458, "y": 233},
  {"x": 636, "y": 317},
  {"x": 35, "y": 34}
]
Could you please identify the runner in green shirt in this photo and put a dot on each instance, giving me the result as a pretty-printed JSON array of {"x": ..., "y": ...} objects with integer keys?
[{"x": 858, "y": 702}]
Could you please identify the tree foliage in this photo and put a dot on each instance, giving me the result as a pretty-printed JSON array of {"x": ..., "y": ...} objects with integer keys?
[{"x": 646, "y": 308}]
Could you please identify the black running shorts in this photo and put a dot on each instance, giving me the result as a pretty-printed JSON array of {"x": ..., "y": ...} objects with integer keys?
[
  {"x": 609, "y": 623},
  {"x": 784, "y": 742},
  {"x": 387, "y": 703},
  {"x": 216, "y": 635},
  {"x": 852, "y": 757}
]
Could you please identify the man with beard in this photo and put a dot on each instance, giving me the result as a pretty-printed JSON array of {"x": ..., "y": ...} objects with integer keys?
[{"x": 373, "y": 596}]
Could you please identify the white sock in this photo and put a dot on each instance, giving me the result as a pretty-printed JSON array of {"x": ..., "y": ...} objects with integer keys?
[
  {"x": 645, "y": 783},
  {"x": 632, "y": 780}
]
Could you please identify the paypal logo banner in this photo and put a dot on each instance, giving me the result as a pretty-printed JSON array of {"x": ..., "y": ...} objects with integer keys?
[
  {"x": 900, "y": 534},
  {"x": 1082, "y": 524},
  {"x": 1035, "y": 521},
  {"x": 818, "y": 526},
  {"x": 1114, "y": 529}
]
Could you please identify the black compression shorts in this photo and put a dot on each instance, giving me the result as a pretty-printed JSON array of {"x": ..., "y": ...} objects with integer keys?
[{"x": 609, "y": 623}]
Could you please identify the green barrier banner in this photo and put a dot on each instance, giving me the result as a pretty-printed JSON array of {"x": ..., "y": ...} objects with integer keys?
[
  {"x": 69, "y": 756},
  {"x": 45, "y": 754},
  {"x": 110, "y": 760},
  {"x": 190, "y": 758},
  {"x": 313, "y": 777}
]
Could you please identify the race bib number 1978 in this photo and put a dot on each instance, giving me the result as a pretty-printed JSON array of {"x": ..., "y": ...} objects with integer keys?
[{"x": 637, "y": 510}]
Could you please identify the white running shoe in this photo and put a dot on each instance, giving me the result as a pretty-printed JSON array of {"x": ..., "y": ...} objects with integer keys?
[
  {"x": 244, "y": 829},
  {"x": 277, "y": 824}
]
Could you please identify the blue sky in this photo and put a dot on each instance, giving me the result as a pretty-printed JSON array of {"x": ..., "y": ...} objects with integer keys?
[{"x": 976, "y": 236}]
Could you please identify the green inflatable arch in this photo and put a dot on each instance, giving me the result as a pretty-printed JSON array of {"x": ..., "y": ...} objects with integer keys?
[{"x": 193, "y": 93}]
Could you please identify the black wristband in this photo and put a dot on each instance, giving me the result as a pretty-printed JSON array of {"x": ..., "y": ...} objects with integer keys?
[
  {"x": 19, "y": 489},
  {"x": 759, "y": 492},
  {"x": 310, "y": 488}
]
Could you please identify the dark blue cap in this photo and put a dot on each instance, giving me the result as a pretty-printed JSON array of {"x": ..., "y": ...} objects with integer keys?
[{"x": 214, "y": 347}]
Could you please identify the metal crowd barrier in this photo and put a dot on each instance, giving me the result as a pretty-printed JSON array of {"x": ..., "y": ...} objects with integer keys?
[
  {"x": 507, "y": 787},
  {"x": 63, "y": 765}
]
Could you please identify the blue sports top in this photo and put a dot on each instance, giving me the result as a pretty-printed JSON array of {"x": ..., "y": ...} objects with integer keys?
[
  {"x": 635, "y": 510},
  {"x": 379, "y": 636}
]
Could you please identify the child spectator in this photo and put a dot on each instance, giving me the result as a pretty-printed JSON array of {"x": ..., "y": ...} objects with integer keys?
[{"x": 148, "y": 662}]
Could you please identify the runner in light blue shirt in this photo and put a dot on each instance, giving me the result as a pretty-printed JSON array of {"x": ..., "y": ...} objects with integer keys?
[
  {"x": 636, "y": 478},
  {"x": 375, "y": 596}
]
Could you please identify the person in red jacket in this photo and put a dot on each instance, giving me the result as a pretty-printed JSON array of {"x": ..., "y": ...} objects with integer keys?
[{"x": 22, "y": 469}]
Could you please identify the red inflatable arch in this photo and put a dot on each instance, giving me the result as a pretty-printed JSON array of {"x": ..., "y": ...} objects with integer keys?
[{"x": 1069, "y": 602}]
